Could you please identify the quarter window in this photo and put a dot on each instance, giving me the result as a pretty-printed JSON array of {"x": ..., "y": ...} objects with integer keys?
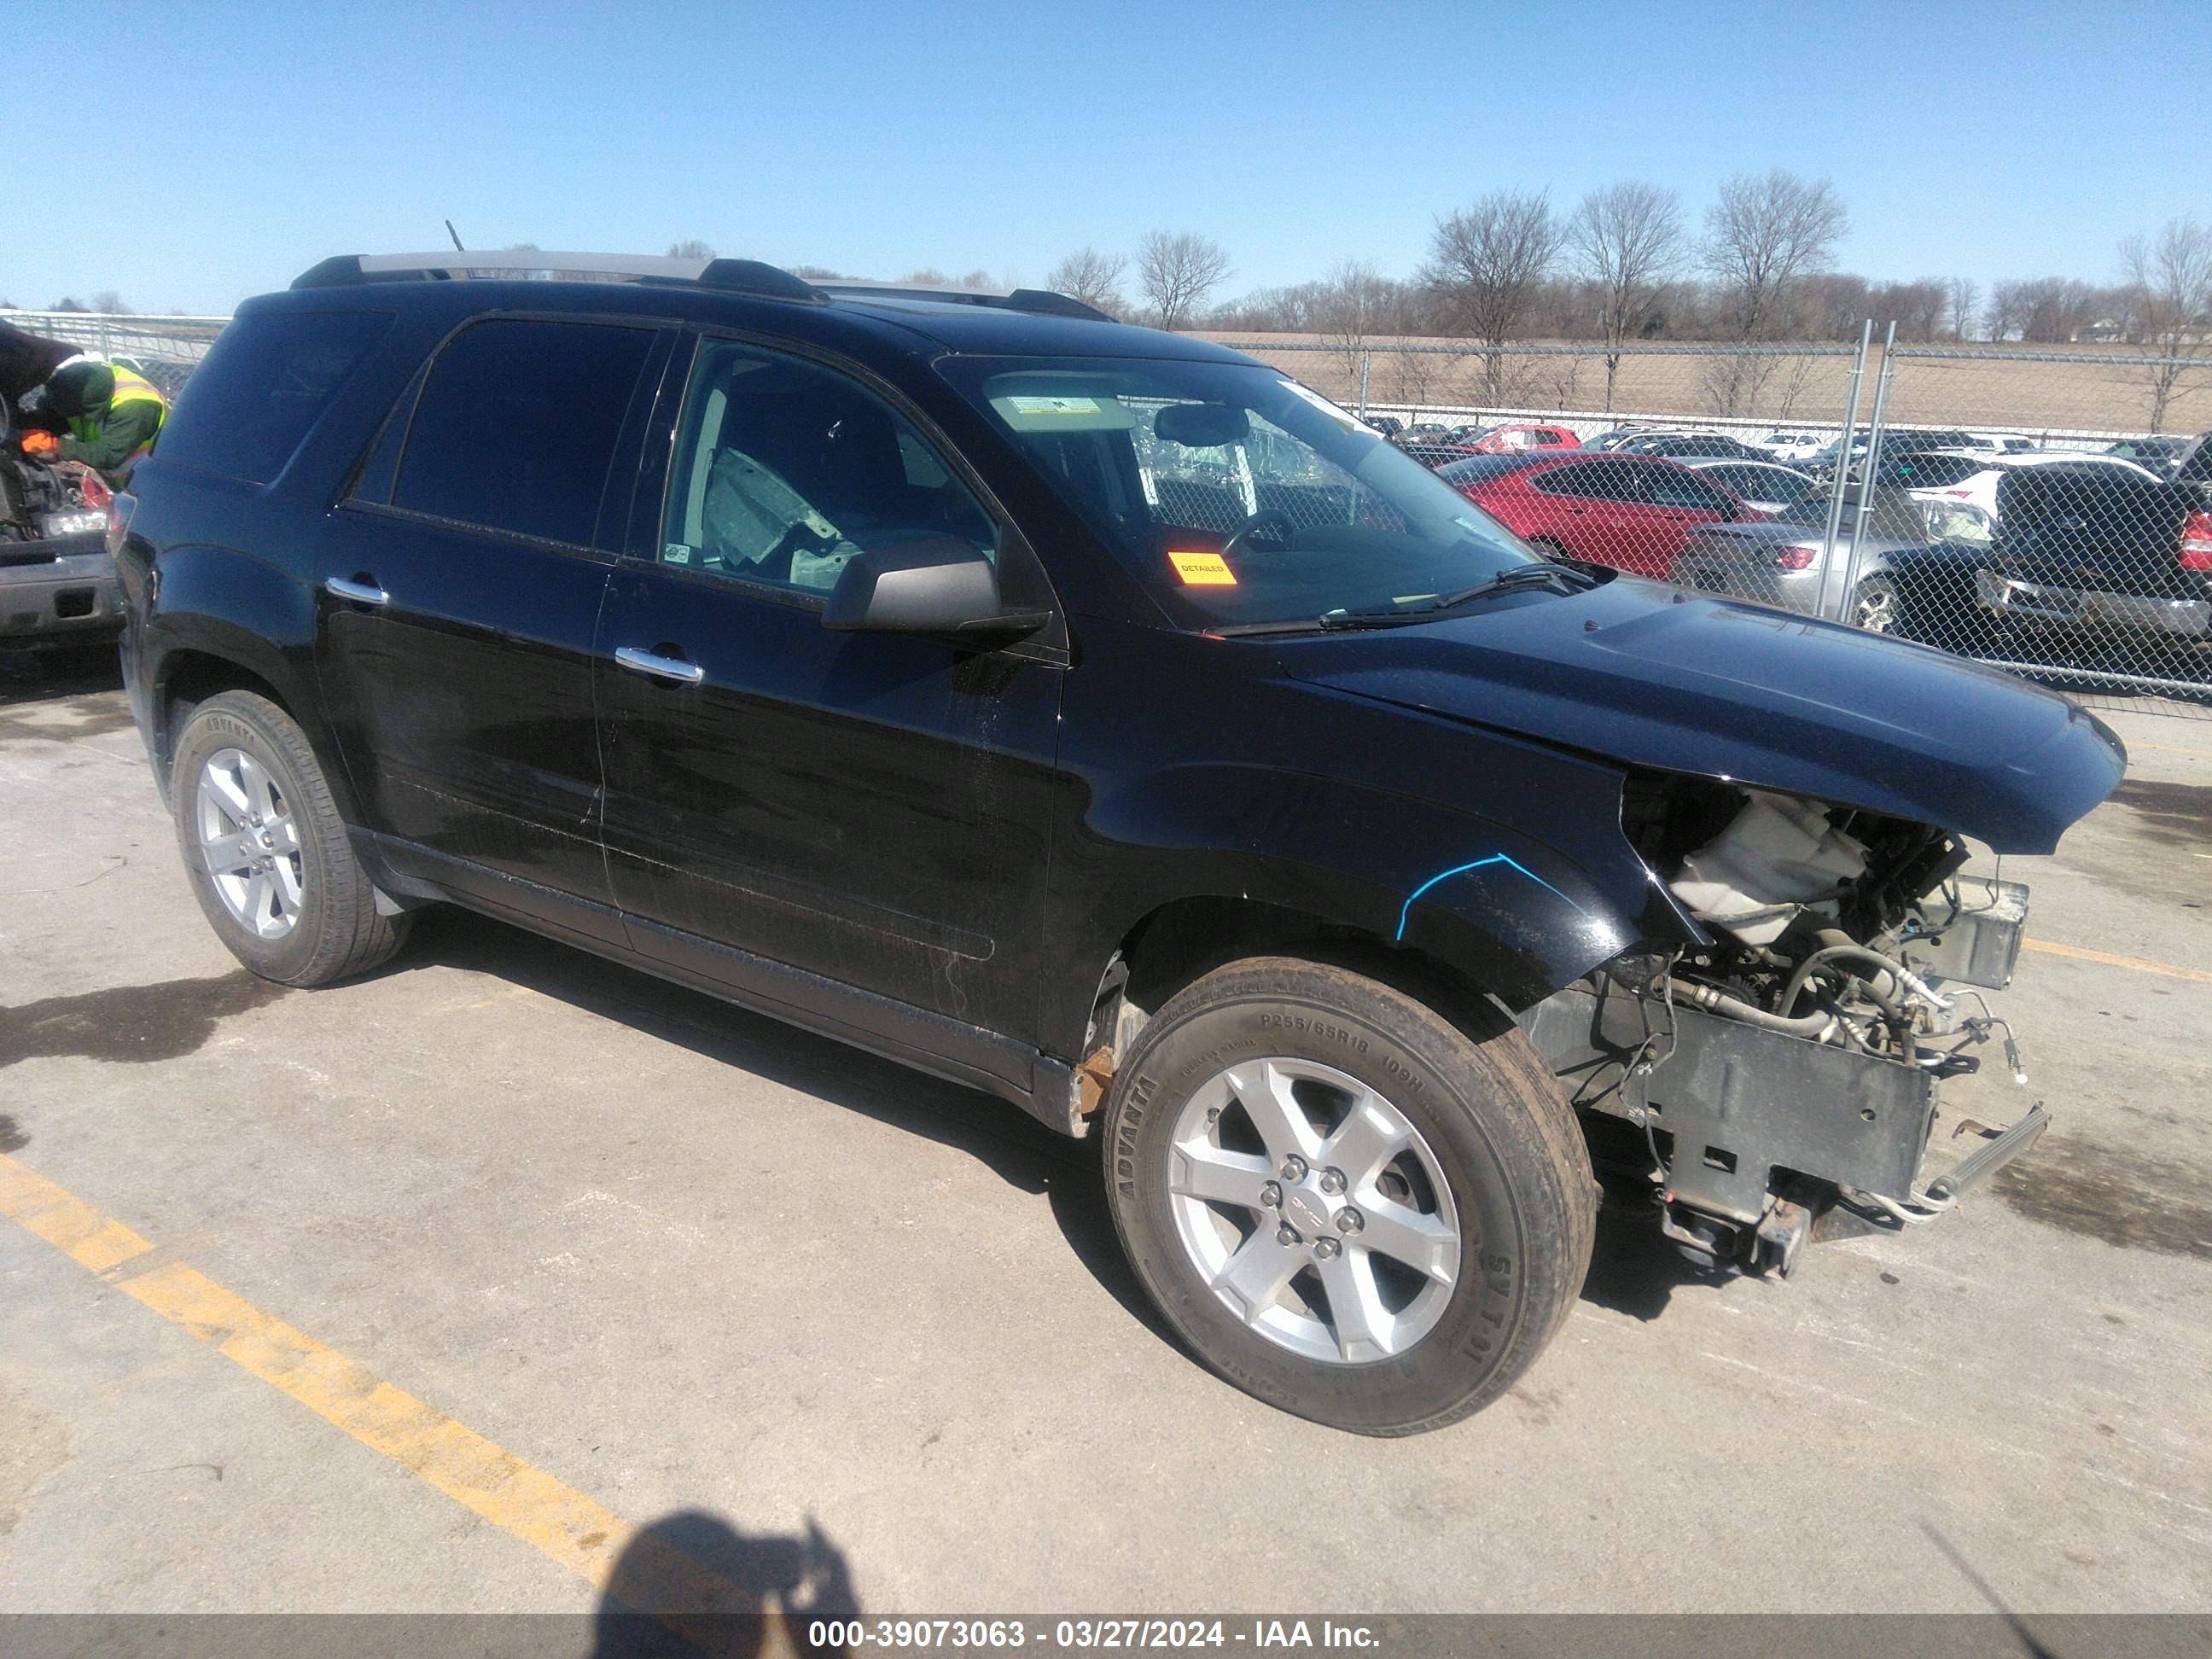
[
  {"x": 785, "y": 471},
  {"x": 518, "y": 424},
  {"x": 246, "y": 409}
]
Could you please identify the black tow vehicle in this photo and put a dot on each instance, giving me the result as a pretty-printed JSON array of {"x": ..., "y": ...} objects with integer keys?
[{"x": 1098, "y": 717}]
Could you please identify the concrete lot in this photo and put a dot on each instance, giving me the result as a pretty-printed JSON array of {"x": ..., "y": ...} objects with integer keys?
[{"x": 836, "y": 1323}]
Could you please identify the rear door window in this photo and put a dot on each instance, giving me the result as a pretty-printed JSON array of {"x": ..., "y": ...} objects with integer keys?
[
  {"x": 1596, "y": 481},
  {"x": 517, "y": 427},
  {"x": 247, "y": 409}
]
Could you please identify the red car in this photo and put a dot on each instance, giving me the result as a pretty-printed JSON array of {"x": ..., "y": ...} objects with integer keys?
[
  {"x": 1631, "y": 512},
  {"x": 1518, "y": 439}
]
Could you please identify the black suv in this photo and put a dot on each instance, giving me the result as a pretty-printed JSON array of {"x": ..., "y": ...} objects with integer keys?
[{"x": 1098, "y": 717}]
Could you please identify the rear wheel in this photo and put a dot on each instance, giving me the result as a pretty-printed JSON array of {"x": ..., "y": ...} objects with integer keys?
[
  {"x": 265, "y": 849},
  {"x": 1878, "y": 606},
  {"x": 1344, "y": 1204}
]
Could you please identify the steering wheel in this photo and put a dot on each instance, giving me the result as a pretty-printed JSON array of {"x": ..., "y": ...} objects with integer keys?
[{"x": 1267, "y": 517}]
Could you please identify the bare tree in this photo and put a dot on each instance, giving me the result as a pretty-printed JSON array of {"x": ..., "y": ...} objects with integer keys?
[
  {"x": 1626, "y": 242},
  {"x": 2006, "y": 314},
  {"x": 1962, "y": 296},
  {"x": 1091, "y": 276},
  {"x": 2170, "y": 277},
  {"x": 1355, "y": 304},
  {"x": 110, "y": 303},
  {"x": 691, "y": 249},
  {"x": 1487, "y": 263},
  {"x": 1764, "y": 234},
  {"x": 1178, "y": 272}
]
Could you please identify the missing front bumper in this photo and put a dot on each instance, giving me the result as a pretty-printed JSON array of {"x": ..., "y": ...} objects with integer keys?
[{"x": 1744, "y": 1107}]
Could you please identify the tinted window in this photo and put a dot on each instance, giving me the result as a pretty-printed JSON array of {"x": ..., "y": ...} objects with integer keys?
[
  {"x": 517, "y": 427},
  {"x": 1479, "y": 469},
  {"x": 1677, "y": 486},
  {"x": 1762, "y": 483},
  {"x": 246, "y": 408},
  {"x": 785, "y": 471},
  {"x": 1601, "y": 481}
]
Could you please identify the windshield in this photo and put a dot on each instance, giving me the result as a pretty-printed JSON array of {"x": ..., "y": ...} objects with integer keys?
[{"x": 1237, "y": 496}]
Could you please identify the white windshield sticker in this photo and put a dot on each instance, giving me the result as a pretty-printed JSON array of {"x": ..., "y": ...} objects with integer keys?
[
  {"x": 1343, "y": 417},
  {"x": 1054, "y": 405}
]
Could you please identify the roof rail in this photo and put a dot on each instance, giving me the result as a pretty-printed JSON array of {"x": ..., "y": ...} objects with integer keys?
[
  {"x": 1043, "y": 301},
  {"x": 734, "y": 276}
]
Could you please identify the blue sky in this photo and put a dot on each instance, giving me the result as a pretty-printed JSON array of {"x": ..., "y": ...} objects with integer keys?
[{"x": 1986, "y": 140}]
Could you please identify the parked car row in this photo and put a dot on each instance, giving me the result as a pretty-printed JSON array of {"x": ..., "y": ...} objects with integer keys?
[{"x": 2110, "y": 547}]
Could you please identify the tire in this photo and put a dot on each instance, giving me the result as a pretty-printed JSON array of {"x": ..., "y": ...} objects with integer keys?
[
  {"x": 1878, "y": 607},
  {"x": 1494, "y": 1187},
  {"x": 294, "y": 907}
]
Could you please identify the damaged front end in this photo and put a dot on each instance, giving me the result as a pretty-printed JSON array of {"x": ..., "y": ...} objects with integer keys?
[{"x": 1782, "y": 1074}]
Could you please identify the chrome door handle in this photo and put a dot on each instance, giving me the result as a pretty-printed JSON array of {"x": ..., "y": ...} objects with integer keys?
[
  {"x": 359, "y": 592},
  {"x": 660, "y": 667}
]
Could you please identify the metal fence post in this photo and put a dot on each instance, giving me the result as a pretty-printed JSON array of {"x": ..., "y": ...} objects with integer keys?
[
  {"x": 1366, "y": 362},
  {"x": 1866, "y": 478},
  {"x": 1836, "y": 485}
]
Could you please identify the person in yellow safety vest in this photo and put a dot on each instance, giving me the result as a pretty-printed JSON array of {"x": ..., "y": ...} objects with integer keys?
[{"x": 94, "y": 412}]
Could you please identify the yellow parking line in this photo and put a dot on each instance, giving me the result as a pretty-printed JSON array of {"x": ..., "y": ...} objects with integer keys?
[
  {"x": 557, "y": 1520},
  {"x": 2164, "y": 969}
]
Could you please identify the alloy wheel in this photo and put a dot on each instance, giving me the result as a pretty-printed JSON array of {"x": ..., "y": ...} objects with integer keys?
[
  {"x": 249, "y": 843},
  {"x": 1314, "y": 1209}
]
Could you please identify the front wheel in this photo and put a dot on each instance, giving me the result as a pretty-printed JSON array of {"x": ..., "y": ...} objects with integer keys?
[
  {"x": 266, "y": 851},
  {"x": 1344, "y": 1204}
]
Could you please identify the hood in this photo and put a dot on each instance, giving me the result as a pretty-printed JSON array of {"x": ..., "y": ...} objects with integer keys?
[{"x": 1652, "y": 677}]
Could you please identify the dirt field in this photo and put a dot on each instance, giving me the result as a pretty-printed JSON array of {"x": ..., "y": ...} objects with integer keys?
[{"x": 2086, "y": 393}]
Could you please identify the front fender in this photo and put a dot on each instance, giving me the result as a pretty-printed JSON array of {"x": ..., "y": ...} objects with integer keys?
[{"x": 1517, "y": 915}]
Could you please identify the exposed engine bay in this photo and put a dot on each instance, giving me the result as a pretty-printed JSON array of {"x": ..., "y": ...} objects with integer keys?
[
  {"x": 41, "y": 503},
  {"x": 1787, "y": 1069}
]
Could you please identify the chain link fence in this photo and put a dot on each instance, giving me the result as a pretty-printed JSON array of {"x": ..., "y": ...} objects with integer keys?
[
  {"x": 2020, "y": 507},
  {"x": 164, "y": 349}
]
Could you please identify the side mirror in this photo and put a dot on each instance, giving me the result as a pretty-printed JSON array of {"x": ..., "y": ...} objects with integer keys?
[{"x": 932, "y": 585}]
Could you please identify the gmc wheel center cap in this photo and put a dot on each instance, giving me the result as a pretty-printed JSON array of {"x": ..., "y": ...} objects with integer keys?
[{"x": 1306, "y": 1212}]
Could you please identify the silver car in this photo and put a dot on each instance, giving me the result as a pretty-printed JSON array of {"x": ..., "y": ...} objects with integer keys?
[{"x": 1917, "y": 562}]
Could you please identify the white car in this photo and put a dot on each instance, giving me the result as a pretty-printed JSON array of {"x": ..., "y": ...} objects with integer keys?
[
  {"x": 1795, "y": 443},
  {"x": 2005, "y": 443},
  {"x": 1979, "y": 488}
]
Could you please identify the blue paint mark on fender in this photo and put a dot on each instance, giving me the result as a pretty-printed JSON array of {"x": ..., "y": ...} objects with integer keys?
[{"x": 1407, "y": 910}]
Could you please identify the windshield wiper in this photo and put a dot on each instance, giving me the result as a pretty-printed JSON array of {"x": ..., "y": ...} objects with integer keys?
[{"x": 1558, "y": 578}]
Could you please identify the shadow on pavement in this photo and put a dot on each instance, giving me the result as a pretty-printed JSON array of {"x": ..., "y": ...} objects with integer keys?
[
  {"x": 59, "y": 671},
  {"x": 1634, "y": 1270},
  {"x": 1014, "y": 1146},
  {"x": 690, "y": 1583}
]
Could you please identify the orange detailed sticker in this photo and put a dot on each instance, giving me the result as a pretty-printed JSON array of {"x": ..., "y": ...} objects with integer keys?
[{"x": 1203, "y": 569}]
